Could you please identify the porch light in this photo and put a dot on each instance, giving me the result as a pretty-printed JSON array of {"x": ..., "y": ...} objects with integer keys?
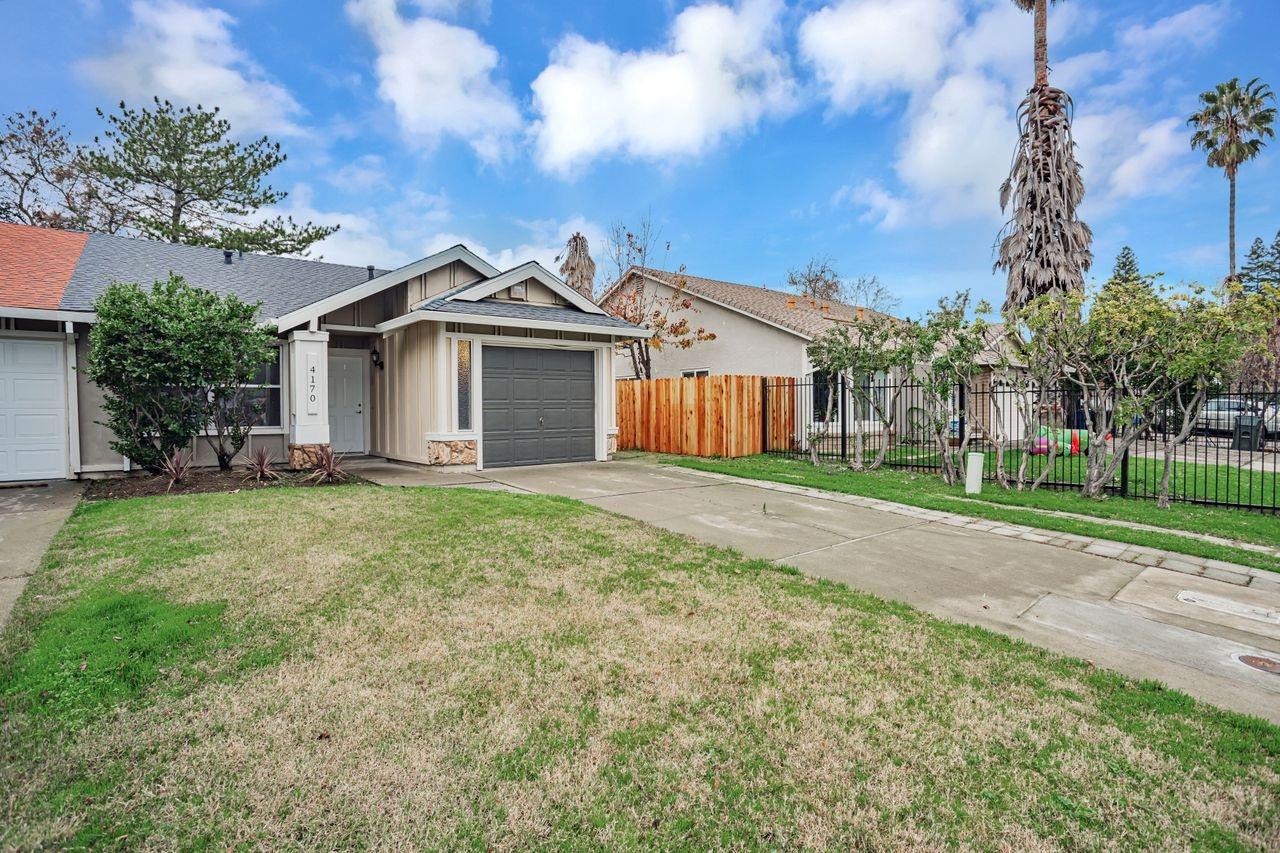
[{"x": 376, "y": 358}]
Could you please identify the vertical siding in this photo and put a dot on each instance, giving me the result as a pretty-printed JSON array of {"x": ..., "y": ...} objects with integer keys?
[{"x": 403, "y": 391}]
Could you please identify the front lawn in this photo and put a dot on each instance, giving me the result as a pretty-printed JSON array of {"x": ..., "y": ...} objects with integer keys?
[
  {"x": 359, "y": 666},
  {"x": 926, "y": 489}
]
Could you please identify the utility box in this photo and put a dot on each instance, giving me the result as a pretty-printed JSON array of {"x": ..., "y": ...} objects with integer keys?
[{"x": 1248, "y": 433}]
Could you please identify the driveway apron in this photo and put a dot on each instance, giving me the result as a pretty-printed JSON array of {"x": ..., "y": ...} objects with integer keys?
[{"x": 29, "y": 518}]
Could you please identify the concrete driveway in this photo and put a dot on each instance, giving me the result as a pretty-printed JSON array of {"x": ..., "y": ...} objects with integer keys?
[
  {"x": 1186, "y": 631},
  {"x": 29, "y": 518}
]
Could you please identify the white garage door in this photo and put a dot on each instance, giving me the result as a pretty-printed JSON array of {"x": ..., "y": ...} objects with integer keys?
[{"x": 33, "y": 410}]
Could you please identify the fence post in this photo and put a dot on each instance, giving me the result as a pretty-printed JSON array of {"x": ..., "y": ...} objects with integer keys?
[
  {"x": 842, "y": 415},
  {"x": 764, "y": 414},
  {"x": 1124, "y": 474}
]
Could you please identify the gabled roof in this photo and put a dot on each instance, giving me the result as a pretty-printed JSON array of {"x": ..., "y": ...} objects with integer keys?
[
  {"x": 474, "y": 303},
  {"x": 805, "y": 319},
  {"x": 528, "y": 270}
]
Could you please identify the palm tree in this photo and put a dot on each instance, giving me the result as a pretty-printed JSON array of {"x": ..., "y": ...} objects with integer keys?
[
  {"x": 1044, "y": 247},
  {"x": 1230, "y": 128},
  {"x": 578, "y": 270}
]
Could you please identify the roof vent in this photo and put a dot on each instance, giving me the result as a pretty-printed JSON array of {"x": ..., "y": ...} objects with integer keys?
[
  {"x": 862, "y": 313},
  {"x": 791, "y": 302},
  {"x": 226, "y": 256},
  {"x": 369, "y": 269},
  {"x": 826, "y": 306}
]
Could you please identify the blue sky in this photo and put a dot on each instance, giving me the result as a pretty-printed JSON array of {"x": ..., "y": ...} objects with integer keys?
[{"x": 757, "y": 133}]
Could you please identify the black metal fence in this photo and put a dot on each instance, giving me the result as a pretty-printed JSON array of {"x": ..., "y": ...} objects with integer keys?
[{"x": 1230, "y": 455}]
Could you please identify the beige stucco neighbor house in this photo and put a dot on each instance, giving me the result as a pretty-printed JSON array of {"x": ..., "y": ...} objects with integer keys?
[
  {"x": 446, "y": 360},
  {"x": 758, "y": 330}
]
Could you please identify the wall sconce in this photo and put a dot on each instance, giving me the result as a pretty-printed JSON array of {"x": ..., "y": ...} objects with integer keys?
[{"x": 376, "y": 358}]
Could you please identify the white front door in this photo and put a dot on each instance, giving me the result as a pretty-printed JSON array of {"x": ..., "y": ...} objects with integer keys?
[
  {"x": 347, "y": 372},
  {"x": 33, "y": 410}
]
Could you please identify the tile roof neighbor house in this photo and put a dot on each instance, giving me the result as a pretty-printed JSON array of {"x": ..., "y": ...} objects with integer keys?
[
  {"x": 758, "y": 330},
  {"x": 446, "y": 360}
]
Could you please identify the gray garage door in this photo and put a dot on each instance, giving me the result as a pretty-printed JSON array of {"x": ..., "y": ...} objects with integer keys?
[{"x": 539, "y": 406}]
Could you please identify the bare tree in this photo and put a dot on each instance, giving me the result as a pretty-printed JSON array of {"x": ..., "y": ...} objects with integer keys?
[
  {"x": 869, "y": 293},
  {"x": 635, "y": 297},
  {"x": 819, "y": 281},
  {"x": 45, "y": 180}
]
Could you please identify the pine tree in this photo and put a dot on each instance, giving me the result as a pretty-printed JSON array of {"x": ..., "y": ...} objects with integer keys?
[
  {"x": 1126, "y": 270},
  {"x": 1259, "y": 266},
  {"x": 184, "y": 179}
]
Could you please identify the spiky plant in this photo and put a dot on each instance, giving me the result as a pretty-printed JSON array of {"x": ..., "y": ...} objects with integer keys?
[
  {"x": 1231, "y": 125},
  {"x": 1044, "y": 247},
  {"x": 577, "y": 268}
]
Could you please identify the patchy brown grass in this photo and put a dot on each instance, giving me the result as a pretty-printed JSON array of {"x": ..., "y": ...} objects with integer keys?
[{"x": 453, "y": 667}]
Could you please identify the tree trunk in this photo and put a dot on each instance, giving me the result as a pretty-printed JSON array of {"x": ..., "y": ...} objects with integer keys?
[
  {"x": 1231, "y": 228},
  {"x": 1042, "y": 42}
]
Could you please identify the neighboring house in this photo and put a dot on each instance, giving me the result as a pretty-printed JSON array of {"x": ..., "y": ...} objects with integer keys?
[
  {"x": 758, "y": 330},
  {"x": 446, "y": 360}
]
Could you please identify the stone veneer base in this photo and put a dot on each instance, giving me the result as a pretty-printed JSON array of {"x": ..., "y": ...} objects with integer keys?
[
  {"x": 304, "y": 456},
  {"x": 461, "y": 452}
]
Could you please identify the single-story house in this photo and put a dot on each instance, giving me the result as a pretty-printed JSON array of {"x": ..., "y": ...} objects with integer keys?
[
  {"x": 446, "y": 360},
  {"x": 758, "y": 331}
]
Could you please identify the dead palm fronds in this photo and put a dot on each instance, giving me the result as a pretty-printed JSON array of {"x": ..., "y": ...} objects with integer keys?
[
  {"x": 1044, "y": 247},
  {"x": 577, "y": 268}
]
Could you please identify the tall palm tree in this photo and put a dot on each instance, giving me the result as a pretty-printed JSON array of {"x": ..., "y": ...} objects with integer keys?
[
  {"x": 1044, "y": 247},
  {"x": 1230, "y": 127},
  {"x": 578, "y": 269}
]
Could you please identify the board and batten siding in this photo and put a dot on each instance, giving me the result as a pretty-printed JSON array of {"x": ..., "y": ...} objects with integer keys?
[{"x": 403, "y": 393}]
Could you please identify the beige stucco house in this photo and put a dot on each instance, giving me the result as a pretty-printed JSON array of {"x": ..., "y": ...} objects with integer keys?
[
  {"x": 758, "y": 330},
  {"x": 446, "y": 360}
]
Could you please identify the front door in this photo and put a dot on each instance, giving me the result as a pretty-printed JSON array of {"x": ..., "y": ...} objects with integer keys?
[{"x": 347, "y": 373}]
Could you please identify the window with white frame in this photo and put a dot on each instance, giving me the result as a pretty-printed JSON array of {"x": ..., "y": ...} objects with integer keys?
[
  {"x": 701, "y": 371},
  {"x": 264, "y": 387}
]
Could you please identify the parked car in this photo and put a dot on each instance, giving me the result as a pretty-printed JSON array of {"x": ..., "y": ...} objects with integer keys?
[{"x": 1221, "y": 413}]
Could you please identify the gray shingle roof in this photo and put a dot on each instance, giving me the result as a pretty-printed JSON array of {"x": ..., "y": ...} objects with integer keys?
[
  {"x": 280, "y": 284},
  {"x": 772, "y": 305},
  {"x": 525, "y": 311}
]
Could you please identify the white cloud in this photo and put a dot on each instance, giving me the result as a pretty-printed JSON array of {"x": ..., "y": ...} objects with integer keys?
[
  {"x": 360, "y": 239},
  {"x": 184, "y": 52},
  {"x": 1196, "y": 27},
  {"x": 958, "y": 145},
  {"x": 720, "y": 73},
  {"x": 439, "y": 78},
  {"x": 881, "y": 207},
  {"x": 546, "y": 239},
  {"x": 363, "y": 175},
  {"x": 864, "y": 50},
  {"x": 1125, "y": 156}
]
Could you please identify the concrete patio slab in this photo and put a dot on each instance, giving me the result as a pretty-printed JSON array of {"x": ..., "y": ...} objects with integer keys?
[{"x": 29, "y": 519}]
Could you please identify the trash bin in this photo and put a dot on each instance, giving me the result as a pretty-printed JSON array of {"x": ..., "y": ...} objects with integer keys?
[{"x": 1248, "y": 433}]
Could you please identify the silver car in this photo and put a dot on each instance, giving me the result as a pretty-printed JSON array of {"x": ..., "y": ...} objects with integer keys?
[{"x": 1221, "y": 413}]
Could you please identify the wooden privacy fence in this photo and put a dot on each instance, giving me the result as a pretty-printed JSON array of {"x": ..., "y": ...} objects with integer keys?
[{"x": 707, "y": 415}]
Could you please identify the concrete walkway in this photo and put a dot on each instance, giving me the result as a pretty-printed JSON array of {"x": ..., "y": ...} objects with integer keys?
[
  {"x": 29, "y": 518},
  {"x": 1186, "y": 630}
]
